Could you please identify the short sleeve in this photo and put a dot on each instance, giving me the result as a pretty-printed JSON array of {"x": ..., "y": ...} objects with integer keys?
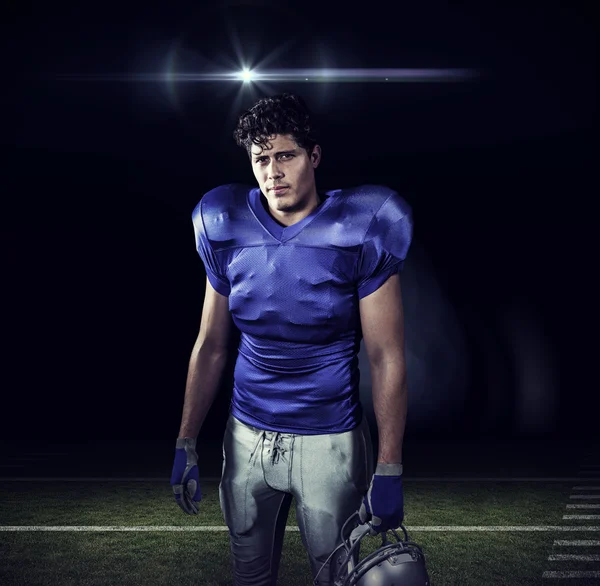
[
  {"x": 214, "y": 272},
  {"x": 385, "y": 246}
]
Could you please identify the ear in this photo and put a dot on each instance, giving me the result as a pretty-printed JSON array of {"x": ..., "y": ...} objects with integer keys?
[{"x": 315, "y": 157}]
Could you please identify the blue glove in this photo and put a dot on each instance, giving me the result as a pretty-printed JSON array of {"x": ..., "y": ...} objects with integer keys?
[
  {"x": 383, "y": 504},
  {"x": 185, "y": 479}
]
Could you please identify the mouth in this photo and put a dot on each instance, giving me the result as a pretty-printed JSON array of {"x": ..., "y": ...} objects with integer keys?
[{"x": 278, "y": 190}]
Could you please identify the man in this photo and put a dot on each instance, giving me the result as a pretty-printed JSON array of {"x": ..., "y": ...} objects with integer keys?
[{"x": 304, "y": 275}]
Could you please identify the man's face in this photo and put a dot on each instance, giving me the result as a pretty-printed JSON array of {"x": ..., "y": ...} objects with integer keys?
[{"x": 283, "y": 163}]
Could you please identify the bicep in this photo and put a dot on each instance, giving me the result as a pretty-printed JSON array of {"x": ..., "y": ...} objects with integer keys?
[
  {"x": 216, "y": 323},
  {"x": 382, "y": 321}
]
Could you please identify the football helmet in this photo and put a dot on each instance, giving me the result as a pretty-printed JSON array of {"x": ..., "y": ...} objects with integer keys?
[{"x": 395, "y": 563}]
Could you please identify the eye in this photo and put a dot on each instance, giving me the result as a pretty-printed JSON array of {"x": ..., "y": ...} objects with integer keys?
[{"x": 261, "y": 160}]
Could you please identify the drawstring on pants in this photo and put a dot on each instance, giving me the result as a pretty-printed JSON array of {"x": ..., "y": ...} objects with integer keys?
[{"x": 276, "y": 450}]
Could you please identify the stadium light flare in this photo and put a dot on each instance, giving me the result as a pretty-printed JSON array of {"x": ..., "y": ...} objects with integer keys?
[
  {"x": 404, "y": 75},
  {"x": 245, "y": 75}
]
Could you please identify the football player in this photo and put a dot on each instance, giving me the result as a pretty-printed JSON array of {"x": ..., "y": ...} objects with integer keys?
[{"x": 304, "y": 275}]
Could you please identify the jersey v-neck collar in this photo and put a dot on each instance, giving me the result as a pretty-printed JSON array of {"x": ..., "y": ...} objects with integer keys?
[{"x": 280, "y": 233}]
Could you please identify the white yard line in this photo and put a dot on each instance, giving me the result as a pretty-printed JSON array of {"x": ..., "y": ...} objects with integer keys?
[
  {"x": 571, "y": 557},
  {"x": 578, "y": 542},
  {"x": 208, "y": 528},
  {"x": 585, "y": 496},
  {"x": 590, "y": 574}
]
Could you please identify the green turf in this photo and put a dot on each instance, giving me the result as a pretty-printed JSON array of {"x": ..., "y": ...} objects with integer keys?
[
  {"x": 91, "y": 559},
  {"x": 137, "y": 503},
  {"x": 202, "y": 558}
]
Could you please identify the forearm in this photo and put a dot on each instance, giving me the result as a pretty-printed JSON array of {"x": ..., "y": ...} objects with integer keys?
[
  {"x": 203, "y": 381},
  {"x": 390, "y": 402}
]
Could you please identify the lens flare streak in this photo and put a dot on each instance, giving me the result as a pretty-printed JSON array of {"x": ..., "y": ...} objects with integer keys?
[{"x": 405, "y": 75}]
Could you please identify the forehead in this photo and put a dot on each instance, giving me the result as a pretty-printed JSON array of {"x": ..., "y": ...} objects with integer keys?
[{"x": 275, "y": 142}]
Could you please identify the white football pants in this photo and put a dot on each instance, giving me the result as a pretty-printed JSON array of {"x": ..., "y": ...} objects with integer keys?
[{"x": 328, "y": 475}]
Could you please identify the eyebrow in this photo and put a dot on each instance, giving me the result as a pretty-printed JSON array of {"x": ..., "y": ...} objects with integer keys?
[{"x": 290, "y": 152}]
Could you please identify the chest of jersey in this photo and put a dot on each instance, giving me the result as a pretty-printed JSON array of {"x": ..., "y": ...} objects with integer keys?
[
  {"x": 293, "y": 291},
  {"x": 300, "y": 283}
]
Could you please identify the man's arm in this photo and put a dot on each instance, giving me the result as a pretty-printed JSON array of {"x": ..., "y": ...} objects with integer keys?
[
  {"x": 382, "y": 321},
  {"x": 207, "y": 362}
]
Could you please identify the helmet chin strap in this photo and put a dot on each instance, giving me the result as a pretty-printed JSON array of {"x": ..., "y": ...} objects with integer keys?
[
  {"x": 353, "y": 551},
  {"x": 352, "y": 547},
  {"x": 355, "y": 536}
]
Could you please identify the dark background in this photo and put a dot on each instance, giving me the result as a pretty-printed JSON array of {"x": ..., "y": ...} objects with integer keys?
[{"x": 102, "y": 286}]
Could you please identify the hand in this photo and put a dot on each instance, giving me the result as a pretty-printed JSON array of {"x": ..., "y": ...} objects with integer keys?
[
  {"x": 383, "y": 505},
  {"x": 185, "y": 479}
]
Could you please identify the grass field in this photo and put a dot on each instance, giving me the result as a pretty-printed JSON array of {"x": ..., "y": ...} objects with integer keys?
[
  {"x": 91, "y": 554},
  {"x": 474, "y": 532}
]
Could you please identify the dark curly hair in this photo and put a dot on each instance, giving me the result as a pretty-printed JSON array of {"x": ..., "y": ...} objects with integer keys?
[{"x": 280, "y": 114}]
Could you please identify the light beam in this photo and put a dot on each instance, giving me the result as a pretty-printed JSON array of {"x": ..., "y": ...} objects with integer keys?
[{"x": 401, "y": 75}]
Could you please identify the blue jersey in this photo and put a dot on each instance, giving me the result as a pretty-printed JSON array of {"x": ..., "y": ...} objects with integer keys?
[{"x": 293, "y": 294}]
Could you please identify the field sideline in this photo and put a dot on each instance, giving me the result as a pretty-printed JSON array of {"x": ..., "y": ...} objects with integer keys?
[
  {"x": 92, "y": 531},
  {"x": 510, "y": 514}
]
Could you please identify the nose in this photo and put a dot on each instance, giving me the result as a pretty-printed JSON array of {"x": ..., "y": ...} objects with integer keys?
[{"x": 274, "y": 171}]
